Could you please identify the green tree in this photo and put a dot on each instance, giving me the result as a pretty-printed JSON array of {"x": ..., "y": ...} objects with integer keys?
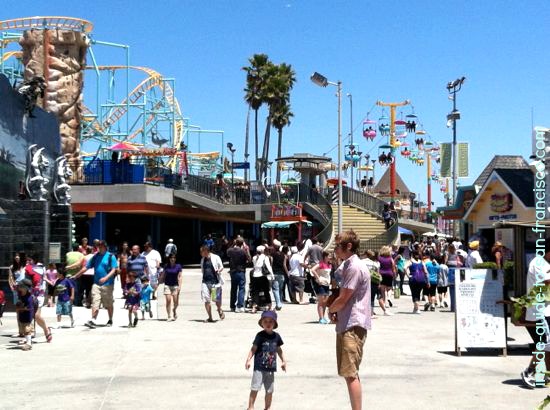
[
  {"x": 255, "y": 78},
  {"x": 280, "y": 80}
]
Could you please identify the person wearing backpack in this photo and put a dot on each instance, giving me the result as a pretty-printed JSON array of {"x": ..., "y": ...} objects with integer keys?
[
  {"x": 418, "y": 278},
  {"x": 105, "y": 266},
  {"x": 375, "y": 278}
]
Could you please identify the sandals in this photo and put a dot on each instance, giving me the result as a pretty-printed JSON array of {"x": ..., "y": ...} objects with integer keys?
[
  {"x": 222, "y": 315},
  {"x": 209, "y": 320},
  {"x": 49, "y": 337}
]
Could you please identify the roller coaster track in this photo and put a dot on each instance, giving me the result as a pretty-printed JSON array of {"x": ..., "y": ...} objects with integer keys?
[
  {"x": 154, "y": 79},
  {"x": 10, "y": 54},
  {"x": 47, "y": 22}
]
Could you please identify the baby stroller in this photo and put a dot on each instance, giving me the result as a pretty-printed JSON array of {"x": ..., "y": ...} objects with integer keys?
[
  {"x": 310, "y": 287},
  {"x": 264, "y": 299},
  {"x": 2, "y": 305}
]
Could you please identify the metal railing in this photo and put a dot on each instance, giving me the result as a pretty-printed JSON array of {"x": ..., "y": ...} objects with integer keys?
[
  {"x": 366, "y": 202},
  {"x": 134, "y": 171}
]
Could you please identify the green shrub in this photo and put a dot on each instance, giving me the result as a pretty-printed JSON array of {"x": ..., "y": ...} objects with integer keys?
[{"x": 485, "y": 265}]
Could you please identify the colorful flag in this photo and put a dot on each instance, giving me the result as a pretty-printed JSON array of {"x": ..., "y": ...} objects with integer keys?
[{"x": 446, "y": 159}]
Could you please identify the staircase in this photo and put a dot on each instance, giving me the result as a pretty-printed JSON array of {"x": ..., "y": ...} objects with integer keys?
[
  {"x": 362, "y": 212},
  {"x": 363, "y": 224}
]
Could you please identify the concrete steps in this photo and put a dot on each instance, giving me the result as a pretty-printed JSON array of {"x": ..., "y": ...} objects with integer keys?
[{"x": 362, "y": 223}]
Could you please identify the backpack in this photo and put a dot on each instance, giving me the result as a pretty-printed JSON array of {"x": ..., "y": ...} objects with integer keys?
[{"x": 417, "y": 273}]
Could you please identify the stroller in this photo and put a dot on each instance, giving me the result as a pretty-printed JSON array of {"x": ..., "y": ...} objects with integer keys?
[
  {"x": 2, "y": 305},
  {"x": 310, "y": 287},
  {"x": 263, "y": 299}
]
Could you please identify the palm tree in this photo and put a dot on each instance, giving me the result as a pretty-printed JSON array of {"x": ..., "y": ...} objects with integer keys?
[
  {"x": 255, "y": 77},
  {"x": 281, "y": 118},
  {"x": 280, "y": 80}
]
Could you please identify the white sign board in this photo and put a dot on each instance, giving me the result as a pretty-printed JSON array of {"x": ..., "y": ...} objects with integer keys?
[{"x": 480, "y": 321}]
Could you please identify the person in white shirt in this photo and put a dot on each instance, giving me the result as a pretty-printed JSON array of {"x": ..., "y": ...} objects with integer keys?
[
  {"x": 170, "y": 249},
  {"x": 473, "y": 256},
  {"x": 153, "y": 263},
  {"x": 538, "y": 274},
  {"x": 260, "y": 282},
  {"x": 296, "y": 274}
]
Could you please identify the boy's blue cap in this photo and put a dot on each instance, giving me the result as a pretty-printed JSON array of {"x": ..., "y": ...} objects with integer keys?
[{"x": 270, "y": 314}]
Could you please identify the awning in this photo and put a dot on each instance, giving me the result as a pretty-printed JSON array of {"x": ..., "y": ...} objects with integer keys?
[
  {"x": 282, "y": 224},
  {"x": 405, "y": 231}
]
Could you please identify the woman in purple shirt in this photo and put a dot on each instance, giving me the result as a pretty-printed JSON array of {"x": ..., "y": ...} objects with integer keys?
[
  {"x": 171, "y": 277},
  {"x": 388, "y": 271}
]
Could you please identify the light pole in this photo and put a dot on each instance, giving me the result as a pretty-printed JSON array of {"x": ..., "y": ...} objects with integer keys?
[
  {"x": 351, "y": 133},
  {"x": 232, "y": 151},
  {"x": 322, "y": 81},
  {"x": 453, "y": 87}
]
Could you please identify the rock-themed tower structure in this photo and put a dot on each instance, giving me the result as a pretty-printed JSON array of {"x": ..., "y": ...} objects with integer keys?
[{"x": 59, "y": 56}]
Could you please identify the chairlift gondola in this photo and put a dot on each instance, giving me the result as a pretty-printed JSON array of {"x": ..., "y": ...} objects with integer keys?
[
  {"x": 411, "y": 121},
  {"x": 352, "y": 155},
  {"x": 400, "y": 129},
  {"x": 384, "y": 125},
  {"x": 369, "y": 129}
]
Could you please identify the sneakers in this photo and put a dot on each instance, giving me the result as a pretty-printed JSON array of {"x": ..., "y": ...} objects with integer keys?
[
  {"x": 426, "y": 307},
  {"x": 445, "y": 304},
  {"x": 323, "y": 321},
  {"x": 528, "y": 378},
  {"x": 135, "y": 321},
  {"x": 416, "y": 311},
  {"x": 432, "y": 307},
  {"x": 26, "y": 347},
  {"x": 150, "y": 314},
  {"x": 91, "y": 324},
  {"x": 110, "y": 323},
  {"x": 386, "y": 313}
]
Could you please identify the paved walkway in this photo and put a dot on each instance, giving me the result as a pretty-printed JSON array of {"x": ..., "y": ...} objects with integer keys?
[{"x": 189, "y": 364}]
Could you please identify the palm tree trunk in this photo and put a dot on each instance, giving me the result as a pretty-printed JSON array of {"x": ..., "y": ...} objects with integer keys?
[
  {"x": 246, "y": 139},
  {"x": 279, "y": 147},
  {"x": 256, "y": 144},
  {"x": 265, "y": 151}
]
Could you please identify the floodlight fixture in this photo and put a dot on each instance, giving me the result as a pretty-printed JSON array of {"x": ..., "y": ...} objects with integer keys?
[{"x": 319, "y": 79}]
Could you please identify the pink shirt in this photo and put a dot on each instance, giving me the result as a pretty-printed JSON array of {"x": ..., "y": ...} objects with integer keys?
[
  {"x": 357, "y": 312},
  {"x": 51, "y": 274}
]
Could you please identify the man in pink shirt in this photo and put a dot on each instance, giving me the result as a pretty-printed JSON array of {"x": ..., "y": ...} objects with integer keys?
[{"x": 352, "y": 312}]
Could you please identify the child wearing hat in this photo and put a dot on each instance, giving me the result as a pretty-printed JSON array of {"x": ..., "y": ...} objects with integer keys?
[
  {"x": 265, "y": 348},
  {"x": 25, "y": 308}
]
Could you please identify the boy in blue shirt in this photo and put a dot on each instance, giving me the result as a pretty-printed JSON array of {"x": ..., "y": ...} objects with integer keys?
[
  {"x": 429, "y": 291},
  {"x": 64, "y": 290},
  {"x": 25, "y": 308},
  {"x": 265, "y": 348},
  {"x": 145, "y": 302}
]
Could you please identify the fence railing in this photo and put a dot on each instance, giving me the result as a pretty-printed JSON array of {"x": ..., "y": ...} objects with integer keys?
[
  {"x": 363, "y": 200},
  {"x": 385, "y": 238}
]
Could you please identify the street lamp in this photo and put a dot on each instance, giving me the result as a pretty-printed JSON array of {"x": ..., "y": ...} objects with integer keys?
[
  {"x": 322, "y": 81},
  {"x": 351, "y": 133},
  {"x": 453, "y": 87},
  {"x": 232, "y": 151}
]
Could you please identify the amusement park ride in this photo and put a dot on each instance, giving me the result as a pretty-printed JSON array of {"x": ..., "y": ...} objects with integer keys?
[
  {"x": 147, "y": 115},
  {"x": 393, "y": 134}
]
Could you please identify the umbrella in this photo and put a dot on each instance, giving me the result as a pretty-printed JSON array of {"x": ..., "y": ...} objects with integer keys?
[
  {"x": 124, "y": 146},
  {"x": 334, "y": 181}
]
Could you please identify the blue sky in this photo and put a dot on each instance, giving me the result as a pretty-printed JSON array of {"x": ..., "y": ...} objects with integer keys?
[{"x": 387, "y": 50}]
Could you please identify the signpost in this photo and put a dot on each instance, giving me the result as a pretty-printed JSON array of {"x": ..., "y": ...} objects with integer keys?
[
  {"x": 479, "y": 321},
  {"x": 241, "y": 165}
]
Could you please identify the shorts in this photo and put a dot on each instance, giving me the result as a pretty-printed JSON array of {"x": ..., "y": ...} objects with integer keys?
[
  {"x": 102, "y": 295},
  {"x": 133, "y": 308},
  {"x": 154, "y": 279},
  {"x": 63, "y": 308},
  {"x": 442, "y": 289},
  {"x": 416, "y": 288},
  {"x": 145, "y": 306},
  {"x": 387, "y": 280},
  {"x": 321, "y": 290},
  {"x": 349, "y": 351},
  {"x": 40, "y": 300},
  {"x": 260, "y": 377},
  {"x": 297, "y": 282},
  {"x": 171, "y": 290},
  {"x": 50, "y": 290},
  {"x": 206, "y": 293},
  {"x": 429, "y": 291}
]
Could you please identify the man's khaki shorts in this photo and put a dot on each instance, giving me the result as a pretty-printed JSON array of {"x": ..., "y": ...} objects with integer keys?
[
  {"x": 349, "y": 351},
  {"x": 102, "y": 295}
]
